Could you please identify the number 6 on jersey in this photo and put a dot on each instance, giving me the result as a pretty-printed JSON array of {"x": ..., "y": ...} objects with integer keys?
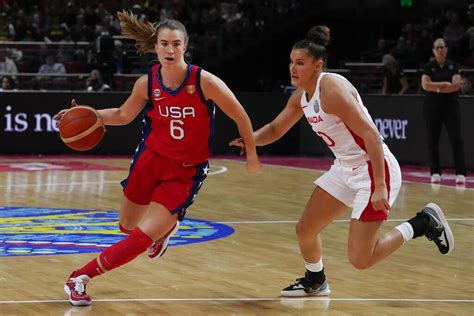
[{"x": 176, "y": 131}]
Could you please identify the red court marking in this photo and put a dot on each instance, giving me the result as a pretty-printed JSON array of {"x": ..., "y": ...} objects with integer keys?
[{"x": 50, "y": 165}]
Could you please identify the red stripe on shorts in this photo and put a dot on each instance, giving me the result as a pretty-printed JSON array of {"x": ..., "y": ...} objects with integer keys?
[{"x": 369, "y": 214}]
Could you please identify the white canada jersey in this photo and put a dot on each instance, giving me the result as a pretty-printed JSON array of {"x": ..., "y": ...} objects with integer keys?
[{"x": 345, "y": 145}]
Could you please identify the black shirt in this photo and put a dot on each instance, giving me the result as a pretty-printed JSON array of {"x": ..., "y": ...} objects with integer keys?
[
  {"x": 393, "y": 80},
  {"x": 438, "y": 74}
]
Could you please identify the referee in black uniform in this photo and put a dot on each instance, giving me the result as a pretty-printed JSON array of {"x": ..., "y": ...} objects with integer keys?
[{"x": 441, "y": 81}]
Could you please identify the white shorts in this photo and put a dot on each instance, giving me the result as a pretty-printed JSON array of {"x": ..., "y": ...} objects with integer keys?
[{"x": 353, "y": 186}]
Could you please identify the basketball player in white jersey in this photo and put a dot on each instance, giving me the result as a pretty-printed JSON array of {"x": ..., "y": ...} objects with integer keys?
[{"x": 365, "y": 176}]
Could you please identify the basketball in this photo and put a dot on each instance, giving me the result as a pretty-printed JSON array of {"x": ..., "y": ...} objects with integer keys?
[{"x": 81, "y": 128}]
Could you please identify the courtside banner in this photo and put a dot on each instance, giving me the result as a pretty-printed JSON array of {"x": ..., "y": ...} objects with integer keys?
[{"x": 26, "y": 126}]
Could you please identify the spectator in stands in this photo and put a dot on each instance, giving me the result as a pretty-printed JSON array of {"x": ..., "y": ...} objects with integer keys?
[
  {"x": 56, "y": 32},
  {"x": 7, "y": 84},
  {"x": 7, "y": 29},
  {"x": 80, "y": 31},
  {"x": 67, "y": 51},
  {"x": 465, "y": 86},
  {"x": 423, "y": 46},
  {"x": 378, "y": 52},
  {"x": 121, "y": 59},
  {"x": 469, "y": 60},
  {"x": 142, "y": 17},
  {"x": 441, "y": 81},
  {"x": 51, "y": 67},
  {"x": 27, "y": 30},
  {"x": 453, "y": 35},
  {"x": 7, "y": 66},
  {"x": 403, "y": 53},
  {"x": 95, "y": 83},
  {"x": 394, "y": 79}
]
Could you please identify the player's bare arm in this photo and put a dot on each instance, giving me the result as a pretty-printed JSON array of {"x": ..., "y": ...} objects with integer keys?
[
  {"x": 129, "y": 110},
  {"x": 288, "y": 117},
  {"x": 216, "y": 90}
]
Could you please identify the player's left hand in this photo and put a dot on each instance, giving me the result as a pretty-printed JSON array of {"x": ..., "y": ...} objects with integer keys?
[
  {"x": 238, "y": 142},
  {"x": 379, "y": 199}
]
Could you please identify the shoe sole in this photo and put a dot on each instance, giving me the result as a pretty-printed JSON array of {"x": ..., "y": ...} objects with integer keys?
[
  {"x": 447, "y": 229},
  {"x": 165, "y": 243},
  {"x": 75, "y": 303},
  {"x": 302, "y": 293}
]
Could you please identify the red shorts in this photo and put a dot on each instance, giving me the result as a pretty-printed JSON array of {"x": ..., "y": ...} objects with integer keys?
[{"x": 162, "y": 180}]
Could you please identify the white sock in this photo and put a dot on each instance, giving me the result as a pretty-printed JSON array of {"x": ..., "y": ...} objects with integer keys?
[
  {"x": 314, "y": 267},
  {"x": 406, "y": 230}
]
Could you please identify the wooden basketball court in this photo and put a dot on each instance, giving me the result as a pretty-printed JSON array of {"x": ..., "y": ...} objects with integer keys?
[{"x": 244, "y": 272}]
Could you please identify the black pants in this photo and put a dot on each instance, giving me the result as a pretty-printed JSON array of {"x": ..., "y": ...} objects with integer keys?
[{"x": 449, "y": 114}]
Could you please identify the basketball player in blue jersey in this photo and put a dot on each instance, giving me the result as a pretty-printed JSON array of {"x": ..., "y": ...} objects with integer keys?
[
  {"x": 171, "y": 161},
  {"x": 365, "y": 176}
]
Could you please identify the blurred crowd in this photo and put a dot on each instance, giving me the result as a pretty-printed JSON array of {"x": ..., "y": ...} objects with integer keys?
[
  {"x": 53, "y": 39},
  {"x": 217, "y": 26},
  {"x": 413, "y": 48}
]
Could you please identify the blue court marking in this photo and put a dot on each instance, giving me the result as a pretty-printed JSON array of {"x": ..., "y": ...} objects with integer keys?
[{"x": 31, "y": 231}]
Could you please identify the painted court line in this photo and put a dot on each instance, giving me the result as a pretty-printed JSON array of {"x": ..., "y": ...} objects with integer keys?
[
  {"x": 453, "y": 219},
  {"x": 220, "y": 169},
  {"x": 251, "y": 299}
]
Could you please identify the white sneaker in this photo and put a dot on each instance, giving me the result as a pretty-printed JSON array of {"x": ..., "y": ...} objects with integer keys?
[
  {"x": 460, "y": 179},
  {"x": 435, "y": 178}
]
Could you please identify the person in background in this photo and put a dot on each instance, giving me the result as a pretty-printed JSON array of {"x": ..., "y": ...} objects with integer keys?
[
  {"x": 365, "y": 176},
  {"x": 8, "y": 84},
  {"x": 394, "y": 79},
  {"x": 465, "y": 86},
  {"x": 7, "y": 66},
  {"x": 95, "y": 83},
  {"x": 441, "y": 81},
  {"x": 171, "y": 161},
  {"x": 51, "y": 67}
]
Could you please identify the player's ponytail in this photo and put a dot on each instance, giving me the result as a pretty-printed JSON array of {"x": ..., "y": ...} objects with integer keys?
[{"x": 146, "y": 33}]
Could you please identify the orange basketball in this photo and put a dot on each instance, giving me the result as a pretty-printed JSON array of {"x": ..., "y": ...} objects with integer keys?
[{"x": 81, "y": 128}]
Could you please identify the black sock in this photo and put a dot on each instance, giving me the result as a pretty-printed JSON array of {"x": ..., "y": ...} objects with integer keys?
[
  {"x": 316, "y": 277},
  {"x": 419, "y": 224}
]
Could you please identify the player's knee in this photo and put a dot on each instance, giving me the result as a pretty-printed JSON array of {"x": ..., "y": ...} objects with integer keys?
[
  {"x": 302, "y": 231},
  {"x": 359, "y": 261}
]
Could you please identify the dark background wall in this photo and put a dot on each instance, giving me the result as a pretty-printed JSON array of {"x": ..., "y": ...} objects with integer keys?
[{"x": 26, "y": 126}]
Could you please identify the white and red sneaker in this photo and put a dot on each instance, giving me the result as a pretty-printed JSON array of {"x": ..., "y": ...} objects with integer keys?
[
  {"x": 76, "y": 289},
  {"x": 158, "y": 248}
]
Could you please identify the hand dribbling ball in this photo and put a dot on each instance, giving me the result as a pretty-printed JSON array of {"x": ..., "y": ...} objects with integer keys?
[{"x": 81, "y": 128}]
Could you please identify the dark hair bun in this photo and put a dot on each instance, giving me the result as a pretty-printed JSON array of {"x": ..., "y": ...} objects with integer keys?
[{"x": 320, "y": 35}]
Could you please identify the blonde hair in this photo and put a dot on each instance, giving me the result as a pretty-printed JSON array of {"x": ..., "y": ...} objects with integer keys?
[{"x": 146, "y": 33}]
